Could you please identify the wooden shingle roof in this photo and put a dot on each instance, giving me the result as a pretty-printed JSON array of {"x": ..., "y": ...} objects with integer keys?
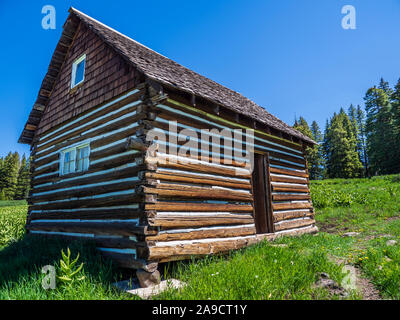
[{"x": 160, "y": 69}]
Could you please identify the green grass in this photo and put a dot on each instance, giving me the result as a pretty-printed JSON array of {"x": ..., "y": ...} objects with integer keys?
[
  {"x": 12, "y": 203},
  {"x": 377, "y": 193},
  {"x": 21, "y": 277},
  {"x": 284, "y": 269},
  {"x": 12, "y": 221},
  {"x": 264, "y": 271},
  {"x": 22, "y": 258},
  {"x": 374, "y": 212},
  {"x": 381, "y": 263}
]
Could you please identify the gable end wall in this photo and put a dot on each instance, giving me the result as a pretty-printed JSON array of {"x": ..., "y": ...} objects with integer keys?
[{"x": 107, "y": 75}]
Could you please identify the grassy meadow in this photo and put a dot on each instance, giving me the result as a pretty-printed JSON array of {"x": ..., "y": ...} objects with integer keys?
[{"x": 287, "y": 268}]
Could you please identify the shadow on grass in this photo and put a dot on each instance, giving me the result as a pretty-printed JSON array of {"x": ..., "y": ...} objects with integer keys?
[{"x": 27, "y": 256}]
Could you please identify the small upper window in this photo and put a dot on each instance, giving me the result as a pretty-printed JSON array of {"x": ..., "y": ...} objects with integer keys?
[
  {"x": 75, "y": 159},
  {"x": 78, "y": 71}
]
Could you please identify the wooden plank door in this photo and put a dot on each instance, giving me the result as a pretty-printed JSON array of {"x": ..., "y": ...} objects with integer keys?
[{"x": 262, "y": 194}]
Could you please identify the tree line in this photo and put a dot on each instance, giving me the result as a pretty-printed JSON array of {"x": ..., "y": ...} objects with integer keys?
[
  {"x": 357, "y": 142},
  {"x": 14, "y": 177}
]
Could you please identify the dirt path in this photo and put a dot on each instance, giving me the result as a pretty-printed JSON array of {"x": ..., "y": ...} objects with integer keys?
[
  {"x": 363, "y": 285},
  {"x": 366, "y": 287}
]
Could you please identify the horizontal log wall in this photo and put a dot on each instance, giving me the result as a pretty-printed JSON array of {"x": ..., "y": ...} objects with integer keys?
[
  {"x": 197, "y": 199},
  {"x": 103, "y": 203},
  {"x": 291, "y": 200},
  {"x": 204, "y": 207},
  {"x": 142, "y": 205}
]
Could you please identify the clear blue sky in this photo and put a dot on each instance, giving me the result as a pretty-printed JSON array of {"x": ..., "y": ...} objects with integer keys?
[{"x": 291, "y": 57}]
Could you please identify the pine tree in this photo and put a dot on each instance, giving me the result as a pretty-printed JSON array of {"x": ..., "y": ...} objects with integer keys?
[
  {"x": 362, "y": 139},
  {"x": 396, "y": 107},
  {"x": 302, "y": 126},
  {"x": 384, "y": 85},
  {"x": 352, "y": 113},
  {"x": 316, "y": 161},
  {"x": 23, "y": 180},
  {"x": 326, "y": 148},
  {"x": 314, "y": 154},
  {"x": 342, "y": 160},
  {"x": 380, "y": 131},
  {"x": 2, "y": 175},
  {"x": 395, "y": 101},
  {"x": 9, "y": 175}
]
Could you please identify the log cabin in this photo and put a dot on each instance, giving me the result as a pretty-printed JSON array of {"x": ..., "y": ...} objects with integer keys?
[{"x": 97, "y": 175}]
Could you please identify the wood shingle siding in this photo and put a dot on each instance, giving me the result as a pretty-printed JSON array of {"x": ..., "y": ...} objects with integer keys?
[{"x": 106, "y": 75}]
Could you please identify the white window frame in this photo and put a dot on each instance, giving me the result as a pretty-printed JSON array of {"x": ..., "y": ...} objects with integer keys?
[
  {"x": 74, "y": 67},
  {"x": 85, "y": 167},
  {"x": 73, "y": 154}
]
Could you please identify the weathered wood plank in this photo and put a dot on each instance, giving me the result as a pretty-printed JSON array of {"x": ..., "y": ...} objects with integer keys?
[
  {"x": 283, "y": 197},
  {"x": 95, "y": 190},
  {"x": 99, "y": 228},
  {"x": 172, "y": 221},
  {"x": 280, "y": 216},
  {"x": 291, "y": 206},
  {"x": 293, "y": 224},
  {"x": 123, "y": 199},
  {"x": 203, "y": 234},
  {"x": 200, "y": 207},
  {"x": 289, "y": 172},
  {"x": 288, "y": 180},
  {"x": 183, "y": 251},
  {"x": 288, "y": 188},
  {"x": 218, "y": 181},
  {"x": 199, "y": 167},
  {"x": 287, "y": 165},
  {"x": 62, "y": 182},
  {"x": 119, "y": 213},
  {"x": 200, "y": 194},
  {"x": 197, "y": 248},
  {"x": 116, "y": 149}
]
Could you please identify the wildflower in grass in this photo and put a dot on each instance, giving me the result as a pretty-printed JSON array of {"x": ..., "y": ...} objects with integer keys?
[{"x": 256, "y": 276}]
